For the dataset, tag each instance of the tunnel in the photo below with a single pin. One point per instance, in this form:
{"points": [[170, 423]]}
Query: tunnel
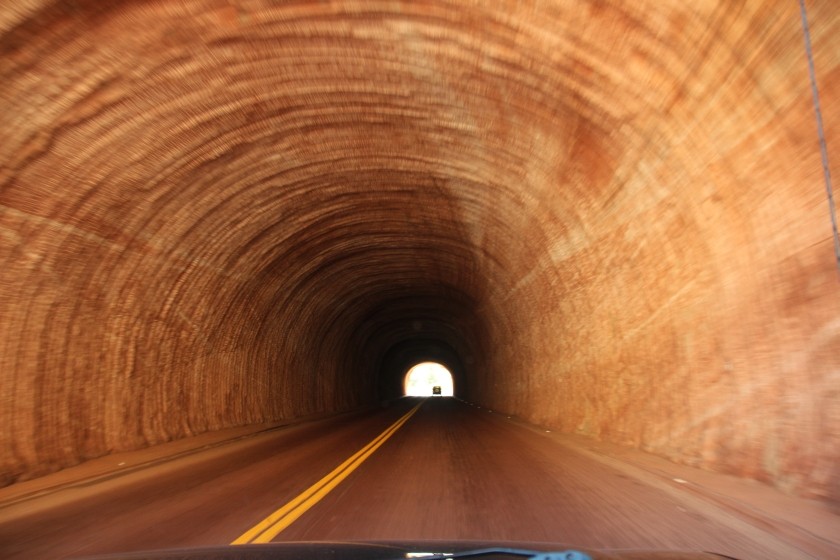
{"points": [[605, 218]]}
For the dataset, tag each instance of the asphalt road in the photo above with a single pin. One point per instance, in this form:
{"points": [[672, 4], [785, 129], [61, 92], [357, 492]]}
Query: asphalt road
{"points": [[450, 471]]}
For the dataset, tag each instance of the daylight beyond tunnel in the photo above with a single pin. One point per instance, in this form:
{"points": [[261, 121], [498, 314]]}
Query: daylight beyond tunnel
{"points": [[603, 217]]}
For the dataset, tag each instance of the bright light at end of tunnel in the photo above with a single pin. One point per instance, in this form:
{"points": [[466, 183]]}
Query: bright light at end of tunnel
{"points": [[422, 378]]}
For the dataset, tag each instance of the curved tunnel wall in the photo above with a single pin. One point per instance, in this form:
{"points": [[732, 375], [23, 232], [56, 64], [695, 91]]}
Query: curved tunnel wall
{"points": [[605, 217]]}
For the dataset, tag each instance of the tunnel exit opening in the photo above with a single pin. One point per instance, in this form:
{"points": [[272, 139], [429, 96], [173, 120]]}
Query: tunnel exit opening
{"points": [[427, 379]]}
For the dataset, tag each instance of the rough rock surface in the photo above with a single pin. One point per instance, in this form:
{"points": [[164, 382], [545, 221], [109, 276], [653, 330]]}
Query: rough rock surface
{"points": [[608, 217]]}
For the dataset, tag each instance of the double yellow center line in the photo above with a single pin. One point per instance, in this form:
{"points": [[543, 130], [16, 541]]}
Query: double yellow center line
{"points": [[271, 526]]}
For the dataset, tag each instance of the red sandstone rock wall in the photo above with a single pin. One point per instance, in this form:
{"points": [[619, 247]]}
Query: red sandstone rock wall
{"points": [[215, 214]]}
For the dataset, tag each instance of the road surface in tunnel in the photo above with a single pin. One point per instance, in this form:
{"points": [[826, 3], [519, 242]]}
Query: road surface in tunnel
{"points": [[452, 471]]}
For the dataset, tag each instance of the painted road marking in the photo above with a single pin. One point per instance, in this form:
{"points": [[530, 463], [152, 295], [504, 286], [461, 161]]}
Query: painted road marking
{"points": [[272, 525]]}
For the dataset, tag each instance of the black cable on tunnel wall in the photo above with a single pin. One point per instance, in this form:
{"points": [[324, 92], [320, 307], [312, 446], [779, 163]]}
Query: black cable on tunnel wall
{"points": [[820, 132]]}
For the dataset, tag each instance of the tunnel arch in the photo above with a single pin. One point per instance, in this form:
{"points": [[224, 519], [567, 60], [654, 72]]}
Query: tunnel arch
{"points": [[219, 215]]}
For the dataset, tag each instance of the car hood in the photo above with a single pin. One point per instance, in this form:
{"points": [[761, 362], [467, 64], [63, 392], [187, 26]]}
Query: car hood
{"points": [[400, 550]]}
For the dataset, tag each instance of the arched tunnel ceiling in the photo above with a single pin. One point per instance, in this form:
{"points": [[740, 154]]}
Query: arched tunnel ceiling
{"points": [[604, 216]]}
